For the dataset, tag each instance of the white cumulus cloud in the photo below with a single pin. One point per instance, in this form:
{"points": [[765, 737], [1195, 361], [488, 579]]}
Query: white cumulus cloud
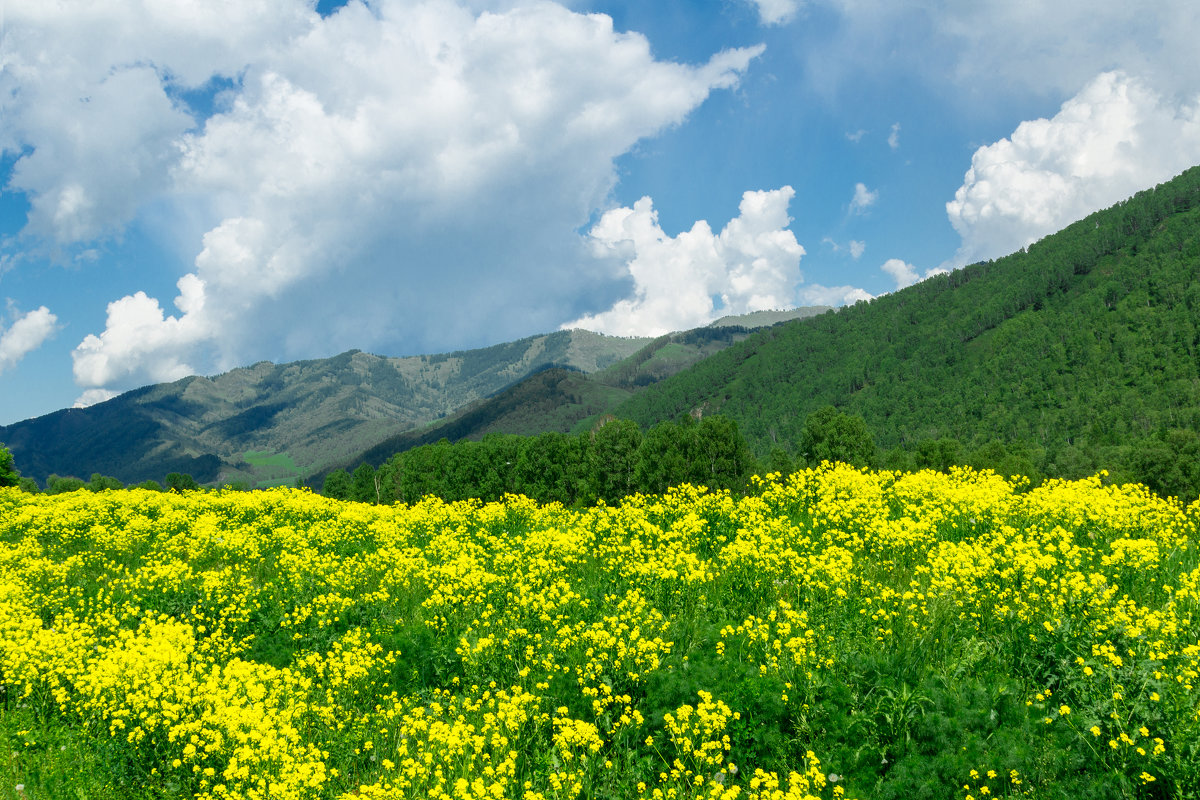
{"points": [[25, 335], [857, 248], [137, 328], [1114, 138], [685, 281], [398, 174]]}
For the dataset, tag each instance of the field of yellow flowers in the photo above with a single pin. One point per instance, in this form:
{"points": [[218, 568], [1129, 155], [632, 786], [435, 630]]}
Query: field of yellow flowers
{"points": [[835, 633]]}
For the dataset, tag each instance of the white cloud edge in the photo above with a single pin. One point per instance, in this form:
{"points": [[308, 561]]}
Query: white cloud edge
{"points": [[688, 280], [1113, 138], [25, 335]]}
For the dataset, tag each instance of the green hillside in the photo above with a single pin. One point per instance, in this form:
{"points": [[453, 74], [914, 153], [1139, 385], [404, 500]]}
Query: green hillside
{"points": [[1086, 345]]}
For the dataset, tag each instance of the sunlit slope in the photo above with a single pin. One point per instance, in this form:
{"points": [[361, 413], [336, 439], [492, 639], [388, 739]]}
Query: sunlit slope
{"points": [[1089, 340], [840, 633]]}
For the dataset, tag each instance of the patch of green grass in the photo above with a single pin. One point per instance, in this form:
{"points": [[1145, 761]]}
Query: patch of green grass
{"points": [[272, 469], [41, 758], [265, 458]]}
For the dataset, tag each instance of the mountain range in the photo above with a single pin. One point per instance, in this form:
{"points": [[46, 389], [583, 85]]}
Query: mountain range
{"points": [[274, 423]]}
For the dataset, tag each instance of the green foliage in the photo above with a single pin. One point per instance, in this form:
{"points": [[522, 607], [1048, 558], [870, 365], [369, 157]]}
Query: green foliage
{"points": [[551, 466], [26, 484], [612, 459], [710, 453], [99, 483], [607, 463], [181, 482], [58, 484], [1169, 463], [830, 435], [8, 473], [338, 485], [939, 454], [363, 486]]}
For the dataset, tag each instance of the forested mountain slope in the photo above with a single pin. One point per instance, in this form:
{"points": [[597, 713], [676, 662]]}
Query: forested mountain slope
{"points": [[275, 422], [1085, 345], [558, 399]]}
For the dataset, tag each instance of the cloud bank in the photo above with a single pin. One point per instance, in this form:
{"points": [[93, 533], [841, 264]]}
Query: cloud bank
{"points": [[685, 281], [351, 175]]}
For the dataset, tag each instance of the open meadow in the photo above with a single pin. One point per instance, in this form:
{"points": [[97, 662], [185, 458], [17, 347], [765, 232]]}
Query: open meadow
{"points": [[837, 632]]}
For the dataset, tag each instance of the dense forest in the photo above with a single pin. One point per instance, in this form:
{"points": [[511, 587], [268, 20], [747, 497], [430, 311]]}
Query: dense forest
{"points": [[613, 460], [616, 459]]}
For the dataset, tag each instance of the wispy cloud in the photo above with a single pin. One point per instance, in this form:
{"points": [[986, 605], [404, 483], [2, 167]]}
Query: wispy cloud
{"points": [[776, 12], [863, 199], [29, 332]]}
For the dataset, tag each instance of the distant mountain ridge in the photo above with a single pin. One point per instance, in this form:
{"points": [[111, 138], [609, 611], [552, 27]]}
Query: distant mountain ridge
{"points": [[560, 399], [275, 423], [1084, 348], [281, 421]]}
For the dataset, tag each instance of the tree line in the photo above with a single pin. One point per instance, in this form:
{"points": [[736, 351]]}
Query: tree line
{"points": [[616, 458], [58, 484], [611, 461]]}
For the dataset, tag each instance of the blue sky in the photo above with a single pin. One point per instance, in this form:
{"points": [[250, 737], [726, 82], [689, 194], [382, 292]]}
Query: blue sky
{"points": [[187, 188]]}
